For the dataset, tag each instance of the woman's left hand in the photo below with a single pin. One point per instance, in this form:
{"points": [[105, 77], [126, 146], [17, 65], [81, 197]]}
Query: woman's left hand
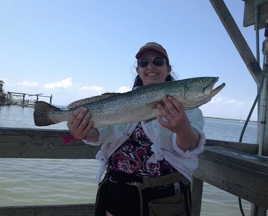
{"points": [[177, 122], [174, 114]]}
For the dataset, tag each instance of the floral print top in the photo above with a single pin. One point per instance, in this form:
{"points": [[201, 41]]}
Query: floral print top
{"points": [[132, 157]]}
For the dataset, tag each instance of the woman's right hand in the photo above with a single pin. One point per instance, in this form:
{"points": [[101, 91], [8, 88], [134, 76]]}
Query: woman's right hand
{"points": [[79, 123]]}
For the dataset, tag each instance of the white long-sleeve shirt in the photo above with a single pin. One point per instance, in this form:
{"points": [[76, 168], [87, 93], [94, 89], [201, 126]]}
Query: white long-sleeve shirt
{"points": [[164, 143]]}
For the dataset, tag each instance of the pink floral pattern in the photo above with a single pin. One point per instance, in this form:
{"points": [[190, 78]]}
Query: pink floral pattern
{"points": [[132, 157]]}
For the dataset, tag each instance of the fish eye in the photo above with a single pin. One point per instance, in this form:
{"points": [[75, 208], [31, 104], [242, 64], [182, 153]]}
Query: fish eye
{"points": [[202, 81]]}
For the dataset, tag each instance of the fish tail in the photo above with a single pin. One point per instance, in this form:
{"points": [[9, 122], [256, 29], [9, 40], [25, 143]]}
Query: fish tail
{"points": [[42, 111]]}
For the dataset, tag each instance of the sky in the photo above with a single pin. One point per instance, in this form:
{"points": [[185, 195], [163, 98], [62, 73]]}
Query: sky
{"points": [[75, 49]]}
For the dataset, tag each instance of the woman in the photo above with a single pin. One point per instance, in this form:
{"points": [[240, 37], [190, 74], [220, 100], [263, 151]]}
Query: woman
{"points": [[149, 165]]}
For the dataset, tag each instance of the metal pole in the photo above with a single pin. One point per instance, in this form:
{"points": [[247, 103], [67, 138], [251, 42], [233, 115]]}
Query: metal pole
{"points": [[262, 118], [257, 18], [262, 135]]}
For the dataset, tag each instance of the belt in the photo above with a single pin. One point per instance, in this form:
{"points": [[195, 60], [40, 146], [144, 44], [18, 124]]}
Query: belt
{"points": [[121, 177], [125, 178]]}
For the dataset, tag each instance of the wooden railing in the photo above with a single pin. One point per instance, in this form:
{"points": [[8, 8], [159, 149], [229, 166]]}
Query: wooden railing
{"points": [[233, 167], [240, 173]]}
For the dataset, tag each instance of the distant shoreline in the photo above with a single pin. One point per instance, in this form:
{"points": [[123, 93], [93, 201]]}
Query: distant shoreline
{"points": [[229, 119]]}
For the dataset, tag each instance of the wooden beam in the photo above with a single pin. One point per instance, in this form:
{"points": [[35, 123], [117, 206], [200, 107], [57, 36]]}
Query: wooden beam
{"points": [[56, 210], [24, 93], [34, 94], [34, 143], [238, 39], [240, 174], [242, 147], [46, 143], [15, 93]]}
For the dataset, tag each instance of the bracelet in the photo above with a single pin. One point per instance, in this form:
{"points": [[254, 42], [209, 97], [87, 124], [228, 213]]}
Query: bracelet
{"points": [[67, 139]]}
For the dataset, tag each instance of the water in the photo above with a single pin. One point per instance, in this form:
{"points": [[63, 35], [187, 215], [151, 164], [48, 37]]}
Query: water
{"points": [[50, 181]]}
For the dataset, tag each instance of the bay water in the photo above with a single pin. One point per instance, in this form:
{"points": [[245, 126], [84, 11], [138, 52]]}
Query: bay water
{"points": [[62, 181]]}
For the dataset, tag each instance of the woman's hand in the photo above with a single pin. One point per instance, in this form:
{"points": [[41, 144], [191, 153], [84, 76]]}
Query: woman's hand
{"points": [[79, 124], [177, 122]]}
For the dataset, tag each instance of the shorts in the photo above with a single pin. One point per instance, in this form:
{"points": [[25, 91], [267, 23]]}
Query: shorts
{"points": [[149, 199], [127, 201]]}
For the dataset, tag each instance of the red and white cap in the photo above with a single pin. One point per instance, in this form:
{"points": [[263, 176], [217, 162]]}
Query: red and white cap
{"points": [[152, 46]]}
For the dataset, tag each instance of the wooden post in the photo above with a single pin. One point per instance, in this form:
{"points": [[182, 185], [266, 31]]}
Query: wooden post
{"points": [[197, 190], [9, 98], [51, 99], [7, 102], [23, 98], [257, 210]]}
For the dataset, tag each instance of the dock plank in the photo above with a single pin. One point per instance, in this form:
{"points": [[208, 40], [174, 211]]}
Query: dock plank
{"points": [[33, 143], [44, 143], [47, 210]]}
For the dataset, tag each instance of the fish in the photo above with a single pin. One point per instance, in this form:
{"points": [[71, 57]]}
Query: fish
{"points": [[133, 106]]}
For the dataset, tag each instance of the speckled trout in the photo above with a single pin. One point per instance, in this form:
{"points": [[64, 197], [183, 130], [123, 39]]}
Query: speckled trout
{"points": [[133, 106]]}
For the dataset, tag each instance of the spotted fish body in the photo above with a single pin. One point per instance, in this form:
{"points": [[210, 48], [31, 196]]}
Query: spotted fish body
{"points": [[134, 106]]}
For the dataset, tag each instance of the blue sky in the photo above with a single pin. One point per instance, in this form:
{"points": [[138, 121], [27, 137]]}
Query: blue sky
{"points": [[77, 49]]}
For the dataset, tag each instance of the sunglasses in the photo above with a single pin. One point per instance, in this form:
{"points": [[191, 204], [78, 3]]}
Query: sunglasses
{"points": [[157, 61]]}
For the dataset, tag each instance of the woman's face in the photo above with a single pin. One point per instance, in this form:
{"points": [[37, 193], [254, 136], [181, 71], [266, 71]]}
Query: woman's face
{"points": [[151, 73]]}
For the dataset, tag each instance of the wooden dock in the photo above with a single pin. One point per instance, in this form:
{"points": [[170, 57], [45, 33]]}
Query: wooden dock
{"points": [[23, 103], [230, 166], [238, 168]]}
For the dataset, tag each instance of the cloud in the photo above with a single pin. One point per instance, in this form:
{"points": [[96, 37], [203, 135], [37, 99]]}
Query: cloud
{"points": [[7, 83], [29, 84], [225, 101], [11, 83], [123, 89], [92, 90], [5, 80], [226, 107], [67, 83]]}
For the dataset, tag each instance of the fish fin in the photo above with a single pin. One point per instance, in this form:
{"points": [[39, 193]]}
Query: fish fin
{"points": [[149, 120], [41, 113], [109, 94], [153, 104], [84, 101]]}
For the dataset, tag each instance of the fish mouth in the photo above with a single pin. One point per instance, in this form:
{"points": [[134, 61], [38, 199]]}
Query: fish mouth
{"points": [[209, 91]]}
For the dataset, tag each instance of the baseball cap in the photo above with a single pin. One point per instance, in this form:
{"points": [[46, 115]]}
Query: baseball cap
{"points": [[152, 46]]}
